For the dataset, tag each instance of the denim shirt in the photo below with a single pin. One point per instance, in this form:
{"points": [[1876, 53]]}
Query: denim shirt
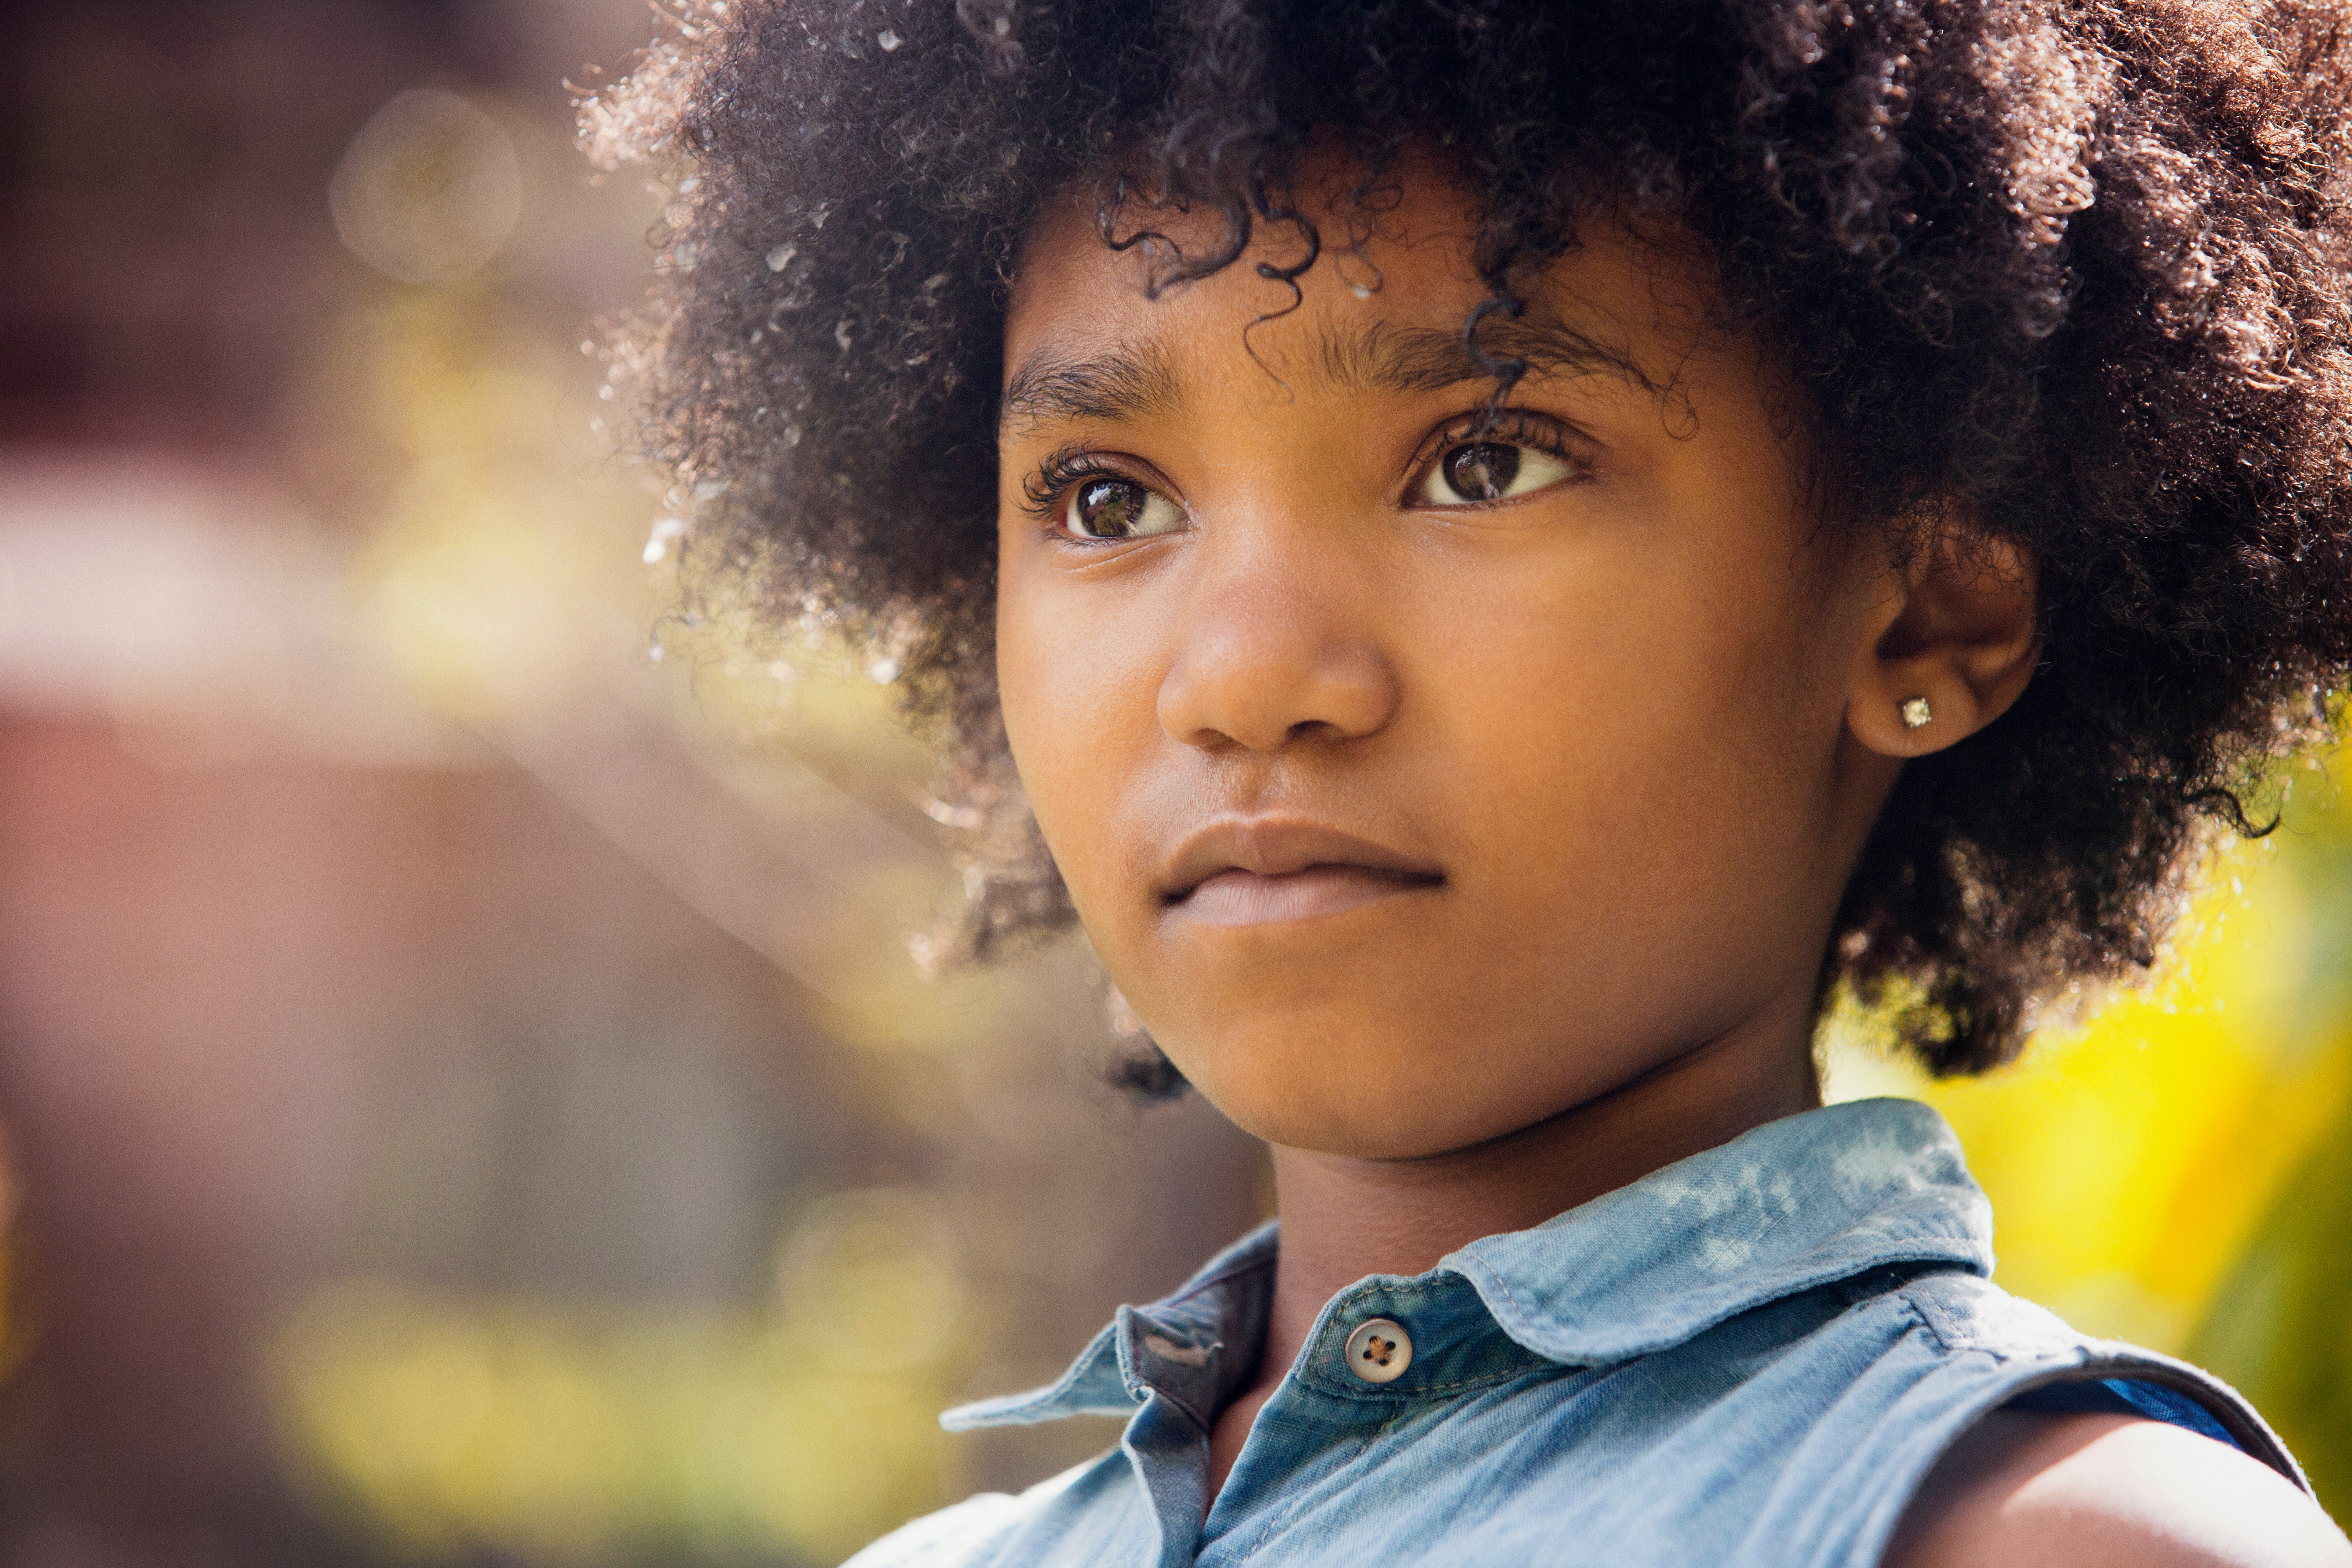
{"points": [[1753, 1356]]}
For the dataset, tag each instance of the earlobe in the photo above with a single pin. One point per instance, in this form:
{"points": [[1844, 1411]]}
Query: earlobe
{"points": [[1959, 644]]}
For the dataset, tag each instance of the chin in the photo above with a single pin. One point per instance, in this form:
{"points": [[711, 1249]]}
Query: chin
{"points": [[1332, 1129], [1339, 1102]]}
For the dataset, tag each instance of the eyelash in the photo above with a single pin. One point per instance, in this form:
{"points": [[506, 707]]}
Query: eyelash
{"points": [[1505, 426], [1047, 485]]}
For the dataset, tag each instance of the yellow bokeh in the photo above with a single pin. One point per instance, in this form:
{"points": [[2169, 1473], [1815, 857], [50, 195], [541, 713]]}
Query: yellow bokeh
{"points": [[804, 1428], [2138, 1161]]}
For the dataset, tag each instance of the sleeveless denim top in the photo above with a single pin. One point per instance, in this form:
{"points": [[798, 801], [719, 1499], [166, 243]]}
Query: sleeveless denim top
{"points": [[1751, 1357]]}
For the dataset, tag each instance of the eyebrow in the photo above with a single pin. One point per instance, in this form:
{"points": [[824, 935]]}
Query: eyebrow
{"points": [[1124, 385], [1116, 387], [1385, 358]]}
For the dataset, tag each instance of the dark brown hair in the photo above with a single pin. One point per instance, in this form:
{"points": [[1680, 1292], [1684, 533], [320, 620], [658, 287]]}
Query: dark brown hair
{"points": [[2078, 267]]}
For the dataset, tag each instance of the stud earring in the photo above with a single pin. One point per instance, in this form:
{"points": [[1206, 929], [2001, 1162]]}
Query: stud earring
{"points": [[1916, 713]]}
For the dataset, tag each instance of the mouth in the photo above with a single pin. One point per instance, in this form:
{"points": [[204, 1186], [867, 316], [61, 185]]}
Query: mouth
{"points": [[1268, 872]]}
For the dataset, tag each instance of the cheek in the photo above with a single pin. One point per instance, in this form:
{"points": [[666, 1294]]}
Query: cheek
{"points": [[1028, 693], [1655, 724], [1076, 696]]}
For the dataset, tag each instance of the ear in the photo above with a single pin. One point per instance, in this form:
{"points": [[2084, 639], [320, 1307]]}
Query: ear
{"points": [[1958, 641]]}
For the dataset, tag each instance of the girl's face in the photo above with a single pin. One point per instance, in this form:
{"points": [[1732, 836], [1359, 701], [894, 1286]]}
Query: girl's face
{"points": [[1417, 784]]}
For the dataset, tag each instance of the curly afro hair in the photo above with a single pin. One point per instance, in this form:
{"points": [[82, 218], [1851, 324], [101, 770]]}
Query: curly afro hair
{"points": [[2080, 267]]}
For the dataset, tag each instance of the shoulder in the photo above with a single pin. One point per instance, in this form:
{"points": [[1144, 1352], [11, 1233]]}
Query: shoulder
{"points": [[2022, 1490]]}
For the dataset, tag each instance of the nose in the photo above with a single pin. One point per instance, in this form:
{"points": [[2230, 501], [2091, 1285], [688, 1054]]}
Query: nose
{"points": [[1278, 645]]}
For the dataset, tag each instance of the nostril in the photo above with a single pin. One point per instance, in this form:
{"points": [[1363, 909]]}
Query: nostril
{"points": [[1237, 691]]}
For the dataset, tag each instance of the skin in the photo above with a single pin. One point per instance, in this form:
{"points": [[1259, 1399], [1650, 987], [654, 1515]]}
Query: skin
{"points": [[2107, 1491], [1479, 852]]}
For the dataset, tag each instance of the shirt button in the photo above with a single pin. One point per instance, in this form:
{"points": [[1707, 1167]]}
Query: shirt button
{"points": [[1378, 1351]]}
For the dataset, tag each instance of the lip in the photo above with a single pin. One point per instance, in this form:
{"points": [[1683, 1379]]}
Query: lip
{"points": [[1267, 871]]}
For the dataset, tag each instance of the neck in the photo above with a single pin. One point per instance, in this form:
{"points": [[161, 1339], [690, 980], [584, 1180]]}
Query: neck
{"points": [[1344, 1218]]}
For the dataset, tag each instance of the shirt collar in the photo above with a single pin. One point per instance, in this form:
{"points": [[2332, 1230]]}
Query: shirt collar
{"points": [[1177, 1345], [1787, 1207]]}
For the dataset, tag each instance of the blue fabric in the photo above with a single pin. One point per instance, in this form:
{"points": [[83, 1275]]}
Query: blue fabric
{"points": [[1751, 1357], [2124, 1397]]}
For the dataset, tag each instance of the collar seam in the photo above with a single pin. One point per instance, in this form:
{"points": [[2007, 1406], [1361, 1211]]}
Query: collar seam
{"points": [[1222, 1277], [1518, 1311], [1384, 1395], [1536, 1322], [1913, 1310], [1180, 1402]]}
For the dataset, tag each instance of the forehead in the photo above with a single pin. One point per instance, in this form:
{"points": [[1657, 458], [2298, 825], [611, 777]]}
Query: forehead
{"points": [[1384, 308], [1414, 239]]}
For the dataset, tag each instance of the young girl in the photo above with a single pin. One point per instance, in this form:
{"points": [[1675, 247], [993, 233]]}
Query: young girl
{"points": [[1495, 555]]}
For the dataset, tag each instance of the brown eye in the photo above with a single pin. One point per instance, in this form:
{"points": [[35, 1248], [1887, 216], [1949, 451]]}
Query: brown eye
{"points": [[1488, 471], [1119, 509], [1482, 471]]}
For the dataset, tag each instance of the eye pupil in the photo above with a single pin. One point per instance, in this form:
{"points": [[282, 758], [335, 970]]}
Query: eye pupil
{"points": [[1109, 508], [1483, 471]]}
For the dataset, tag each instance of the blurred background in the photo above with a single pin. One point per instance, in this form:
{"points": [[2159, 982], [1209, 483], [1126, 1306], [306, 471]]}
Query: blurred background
{"points": [[463, 1096]]}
